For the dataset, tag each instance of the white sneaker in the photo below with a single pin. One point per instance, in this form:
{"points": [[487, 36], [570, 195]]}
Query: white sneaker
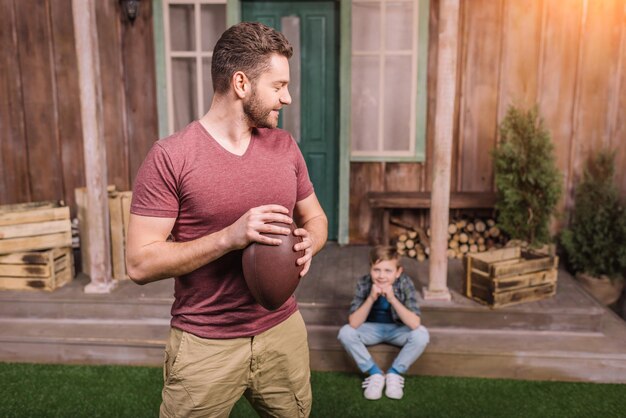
{"points": [[395, 386], [373, 386]]}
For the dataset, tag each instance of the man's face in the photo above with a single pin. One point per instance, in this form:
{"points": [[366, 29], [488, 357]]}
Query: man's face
{"points": [[269, 94], [385, 273]]}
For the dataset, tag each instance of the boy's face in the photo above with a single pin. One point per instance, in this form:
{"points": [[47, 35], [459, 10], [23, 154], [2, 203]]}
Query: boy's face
{"points": [[385, 272]]}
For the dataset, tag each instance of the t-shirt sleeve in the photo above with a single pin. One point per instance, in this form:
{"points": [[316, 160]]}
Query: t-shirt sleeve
{"points": [[155, 189], [305, 187]]}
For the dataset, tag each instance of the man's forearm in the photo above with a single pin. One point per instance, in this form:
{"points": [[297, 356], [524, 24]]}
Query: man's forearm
{"points": [[162, 260], [318, 231]]}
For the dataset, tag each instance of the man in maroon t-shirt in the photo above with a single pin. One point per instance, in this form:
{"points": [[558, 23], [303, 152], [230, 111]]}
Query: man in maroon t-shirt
{"points": [[215, 187]]}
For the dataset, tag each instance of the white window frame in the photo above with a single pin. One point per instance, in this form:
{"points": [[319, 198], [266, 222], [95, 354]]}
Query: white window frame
{"points": [[380, 154], [198, 54]]}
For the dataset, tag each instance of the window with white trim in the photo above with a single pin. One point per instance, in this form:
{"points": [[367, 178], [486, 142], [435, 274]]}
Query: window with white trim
{"points": [[384, 79], [191, 29]]}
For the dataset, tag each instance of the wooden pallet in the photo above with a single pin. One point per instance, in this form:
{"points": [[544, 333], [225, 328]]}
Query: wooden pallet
{"points": [[119, 214], [37, 270], [509, 276], [34, 226]]}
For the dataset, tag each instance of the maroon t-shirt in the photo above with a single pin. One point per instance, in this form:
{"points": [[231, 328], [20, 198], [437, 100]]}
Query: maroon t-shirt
{"points": [[191, 177]]}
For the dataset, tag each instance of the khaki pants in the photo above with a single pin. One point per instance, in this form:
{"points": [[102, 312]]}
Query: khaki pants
{"points": [[206, 377]]}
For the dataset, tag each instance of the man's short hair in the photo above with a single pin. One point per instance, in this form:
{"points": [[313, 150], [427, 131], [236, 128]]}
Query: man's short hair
{"points": [[246, 47], [384, 253]]}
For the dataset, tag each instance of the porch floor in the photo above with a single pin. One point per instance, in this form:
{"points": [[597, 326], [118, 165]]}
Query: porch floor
{"points": [[568, 337]]}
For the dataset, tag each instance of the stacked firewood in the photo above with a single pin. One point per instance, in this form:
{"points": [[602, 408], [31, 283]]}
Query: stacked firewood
{"points": [[464, 236]]}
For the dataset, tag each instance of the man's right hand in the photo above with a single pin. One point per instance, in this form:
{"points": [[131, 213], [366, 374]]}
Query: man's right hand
{"points": [[252, 224]]}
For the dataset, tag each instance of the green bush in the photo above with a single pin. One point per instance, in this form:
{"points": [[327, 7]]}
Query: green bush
{"points": [[595, 242], [527, 179]]}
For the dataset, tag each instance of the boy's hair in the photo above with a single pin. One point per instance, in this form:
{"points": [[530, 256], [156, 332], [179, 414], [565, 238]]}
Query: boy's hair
{"points": [[384, 253], [246, 47]]}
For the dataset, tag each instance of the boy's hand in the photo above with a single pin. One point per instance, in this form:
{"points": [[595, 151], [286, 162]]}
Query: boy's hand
{"points": [[387, 292], [375, 292]]}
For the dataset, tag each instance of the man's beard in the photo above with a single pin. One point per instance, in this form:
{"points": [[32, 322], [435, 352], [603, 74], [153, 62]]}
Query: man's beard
{"points": [[258, 116]]}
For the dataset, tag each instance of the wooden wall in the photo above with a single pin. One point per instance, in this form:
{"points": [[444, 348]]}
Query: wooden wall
{"points": [[569, 57], [41, 154]]}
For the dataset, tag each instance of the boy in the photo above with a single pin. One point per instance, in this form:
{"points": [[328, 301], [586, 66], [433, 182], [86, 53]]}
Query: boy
{"points": [[384, 309]]}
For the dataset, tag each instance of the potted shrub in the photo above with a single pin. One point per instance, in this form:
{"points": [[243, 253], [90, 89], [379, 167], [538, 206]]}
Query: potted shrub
{"points": [[595, 242], [526, 176]]}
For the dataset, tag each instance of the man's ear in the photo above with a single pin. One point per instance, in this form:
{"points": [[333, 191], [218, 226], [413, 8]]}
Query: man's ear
{"points": [[241, 84]]}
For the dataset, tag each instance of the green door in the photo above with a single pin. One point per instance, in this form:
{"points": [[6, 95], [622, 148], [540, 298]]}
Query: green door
{"points": [[312, 118]]}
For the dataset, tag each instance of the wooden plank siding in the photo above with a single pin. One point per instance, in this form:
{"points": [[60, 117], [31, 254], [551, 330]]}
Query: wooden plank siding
{"points": [[67, 99], [39, 99], [142, 123], [557, 75], [41, 144], [14, 185], [568, 58], [113, 97]]}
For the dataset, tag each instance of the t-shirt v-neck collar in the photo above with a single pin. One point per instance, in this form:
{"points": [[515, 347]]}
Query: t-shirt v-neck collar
{"points": [[223, 150]]}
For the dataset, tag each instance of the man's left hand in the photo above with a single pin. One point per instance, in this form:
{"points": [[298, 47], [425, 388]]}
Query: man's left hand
{"points": [[307, 246]]}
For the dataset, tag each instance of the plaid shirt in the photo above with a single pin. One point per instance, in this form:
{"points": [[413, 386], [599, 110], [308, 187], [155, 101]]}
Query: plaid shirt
{"points": [[403, 289]]}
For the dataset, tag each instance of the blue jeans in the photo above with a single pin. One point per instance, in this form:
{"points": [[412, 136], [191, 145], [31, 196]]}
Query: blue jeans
{"points": [[413, 343]]}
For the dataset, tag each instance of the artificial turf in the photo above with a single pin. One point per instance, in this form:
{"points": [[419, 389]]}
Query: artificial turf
{"points": [[35, 390]]}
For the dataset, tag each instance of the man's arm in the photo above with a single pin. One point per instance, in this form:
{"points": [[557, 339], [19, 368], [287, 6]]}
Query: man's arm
{"points": [[150, 257], [312, 227]]}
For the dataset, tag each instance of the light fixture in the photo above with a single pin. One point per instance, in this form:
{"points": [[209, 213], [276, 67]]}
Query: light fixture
{"points": [[131, 9]]}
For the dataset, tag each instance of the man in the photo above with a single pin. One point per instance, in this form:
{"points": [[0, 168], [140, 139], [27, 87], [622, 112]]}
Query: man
{"points": [[214, 187]]}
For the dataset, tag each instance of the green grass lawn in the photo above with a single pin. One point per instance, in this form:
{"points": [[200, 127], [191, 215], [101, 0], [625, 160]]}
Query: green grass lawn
{"points": [[33, 390]]}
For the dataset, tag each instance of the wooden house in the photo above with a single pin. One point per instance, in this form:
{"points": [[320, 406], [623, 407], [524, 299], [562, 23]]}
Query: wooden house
{"points": [[377, 62], [389, 96]]}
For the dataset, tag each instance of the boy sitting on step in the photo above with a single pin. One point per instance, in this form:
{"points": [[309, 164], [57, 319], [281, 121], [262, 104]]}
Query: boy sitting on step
{"points": [[384, 309]]}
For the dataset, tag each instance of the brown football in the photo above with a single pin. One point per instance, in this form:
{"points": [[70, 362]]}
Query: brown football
{"points": [[271, 271]]}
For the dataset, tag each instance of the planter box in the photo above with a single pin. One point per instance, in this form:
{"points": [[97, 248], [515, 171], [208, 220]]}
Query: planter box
{"points": [[34, 226], [119, 213], [509, 276], [37, 270]]}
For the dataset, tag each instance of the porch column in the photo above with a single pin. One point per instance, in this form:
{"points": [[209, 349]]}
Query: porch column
{"points": [[86, 35], [444, 122]]}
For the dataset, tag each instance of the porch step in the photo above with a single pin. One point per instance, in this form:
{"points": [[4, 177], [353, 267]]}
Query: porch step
{"points": [[541, 355], [88, 341], [529, 355], [477, 317], [129, 303]]}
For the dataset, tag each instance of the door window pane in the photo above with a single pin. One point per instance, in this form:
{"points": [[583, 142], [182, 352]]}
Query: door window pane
{"points": [[399, 26], [384, 60], [291, 114], [366, 26], [213, 23], [397, 107], [185, 91], [207, 88], [182, 27], [365, 103], [191, 32]]}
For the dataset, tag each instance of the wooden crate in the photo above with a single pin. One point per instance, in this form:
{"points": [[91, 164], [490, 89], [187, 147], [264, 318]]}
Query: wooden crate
{"points": [[509, 276], [37, 270], [119, 213], [34, 226]]}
